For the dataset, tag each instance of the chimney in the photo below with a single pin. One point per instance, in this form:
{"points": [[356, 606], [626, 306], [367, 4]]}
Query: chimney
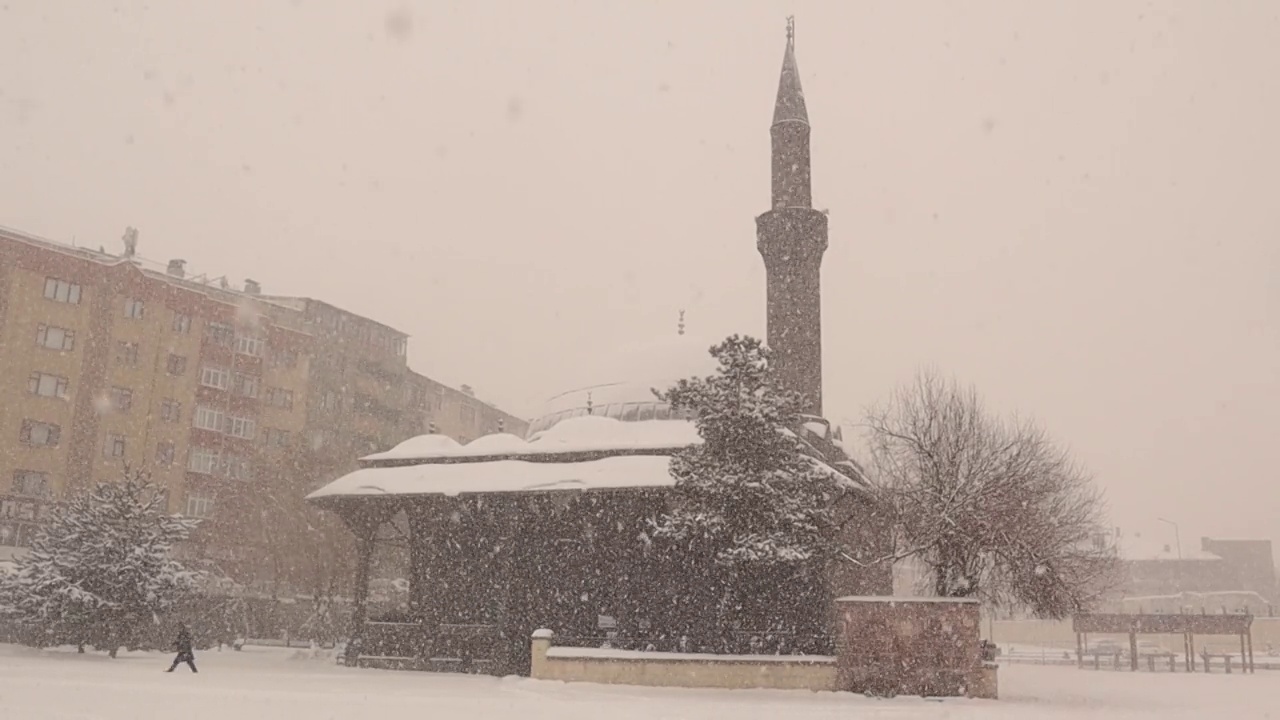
{"points": [[466, 390], [177, 268], [252, 287]]}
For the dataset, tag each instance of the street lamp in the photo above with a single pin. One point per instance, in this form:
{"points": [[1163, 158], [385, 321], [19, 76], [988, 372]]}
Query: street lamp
{"points": [[1176, 538]]}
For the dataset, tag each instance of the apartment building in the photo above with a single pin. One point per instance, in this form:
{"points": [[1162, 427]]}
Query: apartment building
{"points": [[225, 395], [457, 412], [107, 364]]}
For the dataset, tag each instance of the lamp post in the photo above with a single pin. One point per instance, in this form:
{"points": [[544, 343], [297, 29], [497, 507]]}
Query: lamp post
{"points": [[1176, 538], [1177, 575]]}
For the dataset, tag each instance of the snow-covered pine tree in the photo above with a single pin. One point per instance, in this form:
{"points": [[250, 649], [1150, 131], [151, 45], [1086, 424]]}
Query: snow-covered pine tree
{"points": [[748, 497], [100, 570]]}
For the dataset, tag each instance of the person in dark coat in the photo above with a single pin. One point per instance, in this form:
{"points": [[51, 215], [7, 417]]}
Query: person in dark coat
{"points": [[185, 654]]}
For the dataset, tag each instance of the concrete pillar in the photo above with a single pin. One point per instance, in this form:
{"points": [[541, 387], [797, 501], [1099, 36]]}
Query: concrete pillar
{"points": [[539, 644]]}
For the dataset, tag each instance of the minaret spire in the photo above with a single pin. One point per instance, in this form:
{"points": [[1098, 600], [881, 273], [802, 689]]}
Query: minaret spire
{"points": [[790, 105], [792, 238]]}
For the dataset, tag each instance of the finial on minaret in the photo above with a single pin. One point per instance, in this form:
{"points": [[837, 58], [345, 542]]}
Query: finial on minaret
{"points": [[791, 29], [680, 325]]}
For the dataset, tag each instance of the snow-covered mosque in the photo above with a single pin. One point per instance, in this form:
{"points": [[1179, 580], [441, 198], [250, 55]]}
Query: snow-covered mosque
{"points": [[509, 534]]}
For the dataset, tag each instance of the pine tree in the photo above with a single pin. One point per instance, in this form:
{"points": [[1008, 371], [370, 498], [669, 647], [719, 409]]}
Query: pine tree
{"points": [[100, 571], [747, 497]]}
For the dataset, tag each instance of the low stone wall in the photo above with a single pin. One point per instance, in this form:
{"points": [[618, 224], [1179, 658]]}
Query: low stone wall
{"points": [[692, 670], [912, 646]]}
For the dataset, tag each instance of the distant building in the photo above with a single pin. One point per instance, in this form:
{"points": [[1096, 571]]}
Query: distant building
{"points": [[458, 413], [214, 390], [1159, 569]]}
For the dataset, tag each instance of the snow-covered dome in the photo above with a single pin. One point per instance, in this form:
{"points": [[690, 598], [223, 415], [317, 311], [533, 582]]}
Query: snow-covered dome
{"points": [[623, 387]]}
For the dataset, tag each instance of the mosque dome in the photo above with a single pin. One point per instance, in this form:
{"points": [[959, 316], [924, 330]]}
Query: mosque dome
{"points": [[622, 388]]}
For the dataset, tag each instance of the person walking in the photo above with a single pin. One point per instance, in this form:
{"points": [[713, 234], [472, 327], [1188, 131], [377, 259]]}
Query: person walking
{"points": [[185, 653]]}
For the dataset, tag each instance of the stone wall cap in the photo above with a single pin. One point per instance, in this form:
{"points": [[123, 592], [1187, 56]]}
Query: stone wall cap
{"points": [[543, 634], [893, 599]]}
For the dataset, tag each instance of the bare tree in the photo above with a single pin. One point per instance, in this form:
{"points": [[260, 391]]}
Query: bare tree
{"points": [[993, 508]]}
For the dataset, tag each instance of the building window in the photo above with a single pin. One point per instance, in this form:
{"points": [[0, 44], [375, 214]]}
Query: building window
{"points": [[199, 506], [61, 291], [467, 413], [402, 346], [219, 334], [55, 338], [244, 428], [209, 419], [246, 385], [121, 399], [177, 364], [170, 410], [249, 345], [46, 385], [282, 358], [30, 483], [279, 397], [214, 377], [127, 353], [329, 400], [181, 323], [134, 308], [202, 460], [40, 434], [236, 467], [164, 453], [272, 437], [114, 446]]}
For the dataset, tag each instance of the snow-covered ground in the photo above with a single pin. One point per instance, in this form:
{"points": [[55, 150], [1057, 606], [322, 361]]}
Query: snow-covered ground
{"points": [[279, 684]]}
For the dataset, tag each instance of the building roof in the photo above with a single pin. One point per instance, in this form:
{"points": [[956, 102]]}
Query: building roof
{"points": [[151, 269], [584, 453], [628, 377], [588, 434], [503, 476], [302, 304]]}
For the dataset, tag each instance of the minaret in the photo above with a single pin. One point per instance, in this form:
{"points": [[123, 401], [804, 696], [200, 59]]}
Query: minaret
{"points": [[791, 238]]}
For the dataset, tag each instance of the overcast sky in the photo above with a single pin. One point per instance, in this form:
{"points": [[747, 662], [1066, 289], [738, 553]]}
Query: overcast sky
{"points": [[1071, 205]]}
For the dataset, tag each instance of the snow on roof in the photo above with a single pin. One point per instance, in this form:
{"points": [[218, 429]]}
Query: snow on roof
{"points": [[903, 599], [433, 445], [569, 652], [502, 476], [581, 434]]}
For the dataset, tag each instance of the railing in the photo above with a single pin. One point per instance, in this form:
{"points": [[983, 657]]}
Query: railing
{"points": [[449, 648], [734, 642]]}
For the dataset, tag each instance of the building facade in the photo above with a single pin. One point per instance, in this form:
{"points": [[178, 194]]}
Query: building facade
{"points": [[555, 530], [217, 392]]}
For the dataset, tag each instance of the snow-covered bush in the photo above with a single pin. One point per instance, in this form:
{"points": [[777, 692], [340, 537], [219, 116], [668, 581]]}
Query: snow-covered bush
{"points": [[748, 498], [99, 572]]}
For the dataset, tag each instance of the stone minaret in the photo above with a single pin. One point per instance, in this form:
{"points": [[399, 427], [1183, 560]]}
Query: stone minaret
{"points": [[791, 238]]}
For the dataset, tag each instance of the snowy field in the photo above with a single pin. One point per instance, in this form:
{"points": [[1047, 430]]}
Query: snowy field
{"points": [[278, 684]]}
